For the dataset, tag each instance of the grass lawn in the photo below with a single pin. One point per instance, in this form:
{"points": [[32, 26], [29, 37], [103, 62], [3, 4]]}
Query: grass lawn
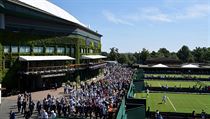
{"points": [[184, 103], [183, 84], [178, 75]]}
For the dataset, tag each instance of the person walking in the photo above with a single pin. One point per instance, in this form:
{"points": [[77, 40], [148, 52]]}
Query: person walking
{"points": [[27, 113], [147, 92], [44, 115], [203, 114], [193, 114], [53, 115], [19, 105], [56, 86], [31, 107], [38, 107], [164, 99], [23, 106], [12, 115]]}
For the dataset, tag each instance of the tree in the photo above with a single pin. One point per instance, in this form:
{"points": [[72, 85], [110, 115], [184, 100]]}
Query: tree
{"points": [[153, 54], [137, 57], [184, 54], [173, 55], [198, 54], [131, 58], [104, 54], [191, 58], [113, 55], [164, 51], [123, 59], [207, 55], [144, 55]]}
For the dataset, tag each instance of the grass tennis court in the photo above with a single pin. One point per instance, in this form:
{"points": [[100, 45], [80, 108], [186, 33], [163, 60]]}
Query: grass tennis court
{"points": [[184, 103], [183, 84], [177, 75]]}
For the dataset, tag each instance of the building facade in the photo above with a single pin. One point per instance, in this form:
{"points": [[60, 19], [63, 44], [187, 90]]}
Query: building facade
{"points": [[29, 30]]}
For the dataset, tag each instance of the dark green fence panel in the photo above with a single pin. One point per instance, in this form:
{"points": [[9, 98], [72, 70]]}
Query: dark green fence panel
{"points": [[138, 86], [130, 93], [135, 110], [139, 74], [136, 113], [121, 112]]}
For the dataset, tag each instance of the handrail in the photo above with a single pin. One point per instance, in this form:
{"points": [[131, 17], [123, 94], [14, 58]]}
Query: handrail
{"points": [[121, 110], [121, 114]]}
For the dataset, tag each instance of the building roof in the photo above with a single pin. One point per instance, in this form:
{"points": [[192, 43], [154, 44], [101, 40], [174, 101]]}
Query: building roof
{"points": [[44, 58], [112, 62], [190, 66], [159, 65], [93, 57], [52, 9], [205, 66], [163, 60]]}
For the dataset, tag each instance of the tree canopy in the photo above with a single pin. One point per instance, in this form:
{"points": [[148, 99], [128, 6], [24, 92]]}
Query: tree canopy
{"points": [[184, 54]]}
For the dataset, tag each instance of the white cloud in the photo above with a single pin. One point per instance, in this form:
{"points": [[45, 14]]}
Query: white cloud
{"points": [[159, 18], [195, 11], [153, 14], [149, 14], [112, 18]]}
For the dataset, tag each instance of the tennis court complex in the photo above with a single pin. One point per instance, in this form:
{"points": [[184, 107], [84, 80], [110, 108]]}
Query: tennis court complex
{"points": [[172, 83], [184, 103]]}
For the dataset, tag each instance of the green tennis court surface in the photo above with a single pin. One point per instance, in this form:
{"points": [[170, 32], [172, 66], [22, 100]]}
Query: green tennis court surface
{"points": [[183, 84], [177, 75], [183, 103]]}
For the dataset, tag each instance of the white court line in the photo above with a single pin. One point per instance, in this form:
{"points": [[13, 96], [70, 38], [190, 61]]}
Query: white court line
{"points": [[171, 103]]}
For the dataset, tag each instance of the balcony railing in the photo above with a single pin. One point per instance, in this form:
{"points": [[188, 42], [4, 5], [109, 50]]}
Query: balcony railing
{"points": [[97, 65], [61, 69]]}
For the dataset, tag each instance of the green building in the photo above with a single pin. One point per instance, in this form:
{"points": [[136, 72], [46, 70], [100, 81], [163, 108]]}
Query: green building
{"points": [[41, 44]]}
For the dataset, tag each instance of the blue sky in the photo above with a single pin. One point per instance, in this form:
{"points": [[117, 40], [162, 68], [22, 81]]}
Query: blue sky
{"points": [[131, 25]]}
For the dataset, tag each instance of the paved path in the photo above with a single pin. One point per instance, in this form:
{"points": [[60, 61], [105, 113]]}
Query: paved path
{"points": [[10, 103]]}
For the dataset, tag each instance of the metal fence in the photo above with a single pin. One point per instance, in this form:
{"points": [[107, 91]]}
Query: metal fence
{"points": [[131, 108]]}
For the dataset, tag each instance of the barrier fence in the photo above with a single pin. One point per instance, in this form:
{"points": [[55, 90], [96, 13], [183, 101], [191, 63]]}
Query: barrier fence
{"points": [[121, 114], [131, 108]]}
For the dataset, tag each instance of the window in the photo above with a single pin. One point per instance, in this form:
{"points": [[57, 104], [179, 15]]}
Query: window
{"points": [[38, 49], [91, 50], [67, 50], [50, 49], [81, 50], [24, 49], [6, 49], [14, 49], [88, 50], [88, 42], [95, 44], [72, 52], [60, 50], [85, 50]]}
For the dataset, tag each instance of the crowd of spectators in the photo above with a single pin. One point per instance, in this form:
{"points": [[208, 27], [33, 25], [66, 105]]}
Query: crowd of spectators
{"points": [[96, 99], [25, 105]]}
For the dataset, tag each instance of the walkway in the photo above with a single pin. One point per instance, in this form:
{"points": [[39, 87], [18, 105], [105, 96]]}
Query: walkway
{"points": [[10, 103]]}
